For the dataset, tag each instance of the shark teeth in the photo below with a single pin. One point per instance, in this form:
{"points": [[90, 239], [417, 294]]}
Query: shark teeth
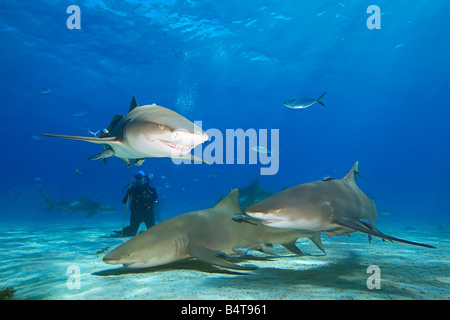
{"points": [[270, 221], [177, 147]]}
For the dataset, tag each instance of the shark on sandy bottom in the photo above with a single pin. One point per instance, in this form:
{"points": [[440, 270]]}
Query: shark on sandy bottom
{"points": [[208, 235], [83, 205], [331, 206], [146, 131]]}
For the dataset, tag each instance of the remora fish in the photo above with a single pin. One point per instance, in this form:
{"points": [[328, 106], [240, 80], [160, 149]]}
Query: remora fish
{"points": [[303, 103], [147, 131], [334, 207], [82, 205], [206, 235]]}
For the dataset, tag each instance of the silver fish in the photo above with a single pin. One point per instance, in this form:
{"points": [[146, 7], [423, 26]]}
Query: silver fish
{"points": [[303, 103]]}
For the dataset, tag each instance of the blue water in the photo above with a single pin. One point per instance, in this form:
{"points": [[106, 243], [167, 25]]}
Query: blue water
{"points": [[229, 64]]}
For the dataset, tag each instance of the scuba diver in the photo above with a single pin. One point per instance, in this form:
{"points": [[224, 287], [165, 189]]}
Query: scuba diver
{"points": [[142, 197]]}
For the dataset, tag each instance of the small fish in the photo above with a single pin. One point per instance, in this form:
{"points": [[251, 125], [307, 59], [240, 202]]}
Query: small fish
{"points": [[44, 90], [80, 114], [94, 134], [303, 103], [213, 175], [261, 150], [244, 218], [103, 250], [384, 212], [79, 172], [36, 138], [328, 178]]}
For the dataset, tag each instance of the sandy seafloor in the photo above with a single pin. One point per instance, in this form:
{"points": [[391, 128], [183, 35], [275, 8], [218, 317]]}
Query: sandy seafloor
{"points": [[35, 259]]}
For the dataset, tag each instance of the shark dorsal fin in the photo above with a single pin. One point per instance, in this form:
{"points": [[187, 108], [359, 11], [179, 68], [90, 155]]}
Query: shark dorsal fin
{"points": [[133, 104], [231, 201], [351, 174]]}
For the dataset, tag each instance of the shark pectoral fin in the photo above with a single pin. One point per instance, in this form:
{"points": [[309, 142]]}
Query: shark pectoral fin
{"points": [[214, 257], [362, 227], [90, 214], [317, 240], [292, 247]]}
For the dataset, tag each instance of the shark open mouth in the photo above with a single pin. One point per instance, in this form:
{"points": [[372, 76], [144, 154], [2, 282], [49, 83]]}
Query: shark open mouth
{"points": [[178, 147]]}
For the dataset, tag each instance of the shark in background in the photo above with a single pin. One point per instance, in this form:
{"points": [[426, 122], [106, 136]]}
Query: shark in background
{"points": [[331, 206], [209, 235], [83, 205], [146, 131]]}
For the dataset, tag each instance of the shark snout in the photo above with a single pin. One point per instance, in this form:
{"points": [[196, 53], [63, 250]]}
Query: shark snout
{"points": [[111, 260], [188, 138]]}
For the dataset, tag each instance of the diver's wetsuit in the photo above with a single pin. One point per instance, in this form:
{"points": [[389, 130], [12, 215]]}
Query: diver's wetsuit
{"points": [[142, 198]]}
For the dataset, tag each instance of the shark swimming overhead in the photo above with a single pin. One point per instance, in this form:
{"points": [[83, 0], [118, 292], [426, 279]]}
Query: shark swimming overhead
{"points": [[207, 235], [82, 205], [331, 206], [146, 131]]}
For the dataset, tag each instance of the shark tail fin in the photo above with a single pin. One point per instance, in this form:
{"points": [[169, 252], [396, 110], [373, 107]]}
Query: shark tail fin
{"points": [[319, 100], [50, 203], [364, 228], [133, 104], [108, 140]]}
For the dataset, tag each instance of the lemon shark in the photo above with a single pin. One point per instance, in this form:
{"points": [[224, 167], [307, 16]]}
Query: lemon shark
{"points": [[146, 131], [331, 206], [208, 235], [82, 205]]}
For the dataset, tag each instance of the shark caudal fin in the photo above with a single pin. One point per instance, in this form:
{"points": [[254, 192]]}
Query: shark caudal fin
{"points": [[50, 203], [368, 228], [108, 140], [319, 100]]}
